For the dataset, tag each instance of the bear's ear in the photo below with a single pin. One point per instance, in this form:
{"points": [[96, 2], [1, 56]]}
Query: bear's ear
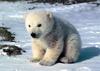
{"points": [[24, 16], [49, 15]]}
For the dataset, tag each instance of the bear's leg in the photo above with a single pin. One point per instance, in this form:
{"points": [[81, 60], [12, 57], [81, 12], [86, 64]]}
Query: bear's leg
{"points": [[37, 53], [72, 51], [52, 54], [50, 57]]}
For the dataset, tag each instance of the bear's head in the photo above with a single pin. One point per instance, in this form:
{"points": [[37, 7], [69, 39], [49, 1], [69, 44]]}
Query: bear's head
{"points": [[39, 23]]}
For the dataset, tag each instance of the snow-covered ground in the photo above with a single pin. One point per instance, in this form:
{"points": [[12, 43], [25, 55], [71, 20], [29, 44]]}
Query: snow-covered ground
{"points": [[85, 17]]}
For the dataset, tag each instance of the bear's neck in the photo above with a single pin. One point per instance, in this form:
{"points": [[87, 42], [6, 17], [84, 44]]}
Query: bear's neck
{"points": [[53, 36], [52, 33]]}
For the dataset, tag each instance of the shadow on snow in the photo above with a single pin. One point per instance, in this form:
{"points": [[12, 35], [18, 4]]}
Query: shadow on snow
{"points": [[88, 53]]}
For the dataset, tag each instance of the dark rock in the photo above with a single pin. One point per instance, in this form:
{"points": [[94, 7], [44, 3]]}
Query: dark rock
{"points": [[11, 50], [6, 35]]}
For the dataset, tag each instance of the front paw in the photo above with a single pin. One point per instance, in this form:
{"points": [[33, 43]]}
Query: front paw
{"points": [[34, 60], [47, 63], [67, 60]]}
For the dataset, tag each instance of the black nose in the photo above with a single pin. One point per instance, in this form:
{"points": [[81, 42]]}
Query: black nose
{"points": [[33, 35]]}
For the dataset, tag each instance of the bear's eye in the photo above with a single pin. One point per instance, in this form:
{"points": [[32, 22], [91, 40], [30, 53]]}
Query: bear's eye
{"points": [[39, 25], [29, 25]]}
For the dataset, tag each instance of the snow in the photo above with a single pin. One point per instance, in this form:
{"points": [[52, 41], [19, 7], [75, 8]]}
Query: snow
{"points": [[85, 17]]}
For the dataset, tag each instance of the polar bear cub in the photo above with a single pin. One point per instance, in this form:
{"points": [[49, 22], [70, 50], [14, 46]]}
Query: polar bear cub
{"points": [[52, 38]]}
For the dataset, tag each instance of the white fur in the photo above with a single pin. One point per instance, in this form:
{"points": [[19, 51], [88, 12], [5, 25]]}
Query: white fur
{"points": [[57, 37]]}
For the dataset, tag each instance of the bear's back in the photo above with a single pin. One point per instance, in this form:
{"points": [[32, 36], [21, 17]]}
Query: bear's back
{"points": [[66, 26]]}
